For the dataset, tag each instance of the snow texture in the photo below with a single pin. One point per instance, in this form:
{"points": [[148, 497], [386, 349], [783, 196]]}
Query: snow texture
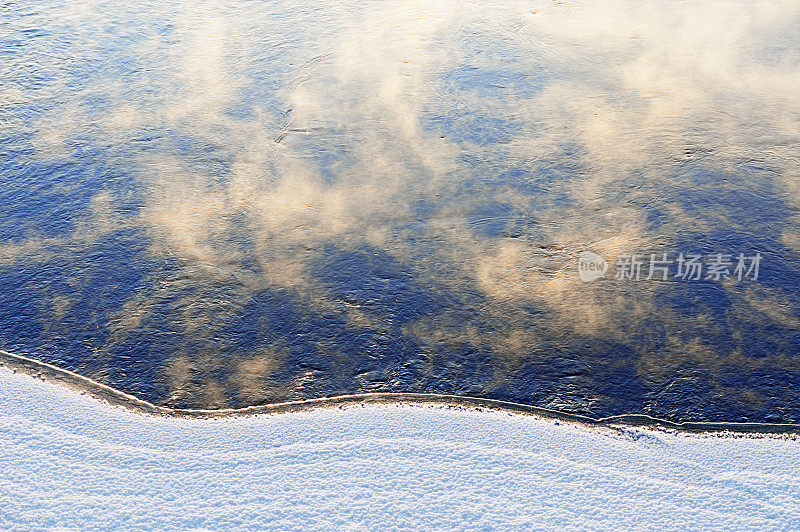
{"points": [[69, 461]]}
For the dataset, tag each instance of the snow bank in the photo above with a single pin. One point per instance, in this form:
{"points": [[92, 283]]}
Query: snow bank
{"points": [[67, 460]]}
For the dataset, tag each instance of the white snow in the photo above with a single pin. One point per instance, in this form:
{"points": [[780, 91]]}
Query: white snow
{"points": [[69, 461]]}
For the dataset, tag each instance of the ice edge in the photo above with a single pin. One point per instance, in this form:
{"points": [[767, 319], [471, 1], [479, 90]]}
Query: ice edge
{"points": [[49, 372]]}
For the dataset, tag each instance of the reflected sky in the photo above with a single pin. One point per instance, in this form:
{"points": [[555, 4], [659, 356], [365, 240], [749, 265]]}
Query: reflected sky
{"points": [[211, 207]]}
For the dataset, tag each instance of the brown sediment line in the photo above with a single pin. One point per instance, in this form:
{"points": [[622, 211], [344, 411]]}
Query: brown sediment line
{"points": [[85, 385]]}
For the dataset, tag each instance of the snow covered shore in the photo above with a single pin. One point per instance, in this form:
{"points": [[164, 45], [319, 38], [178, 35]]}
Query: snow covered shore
{"points": [[67, 460]]}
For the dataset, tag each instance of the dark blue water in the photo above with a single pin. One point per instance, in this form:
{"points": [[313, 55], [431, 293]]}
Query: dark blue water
{"points": [[210, 208]]}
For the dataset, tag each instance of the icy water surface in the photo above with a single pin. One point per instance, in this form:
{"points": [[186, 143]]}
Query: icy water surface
{"points": [[213, 206]]}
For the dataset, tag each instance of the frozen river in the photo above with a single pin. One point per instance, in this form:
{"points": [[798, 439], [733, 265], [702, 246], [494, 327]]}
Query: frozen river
{"points": [[71, 462]]}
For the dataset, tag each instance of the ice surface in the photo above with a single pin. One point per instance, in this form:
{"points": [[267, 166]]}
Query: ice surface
{"points": [[67, 460]]}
